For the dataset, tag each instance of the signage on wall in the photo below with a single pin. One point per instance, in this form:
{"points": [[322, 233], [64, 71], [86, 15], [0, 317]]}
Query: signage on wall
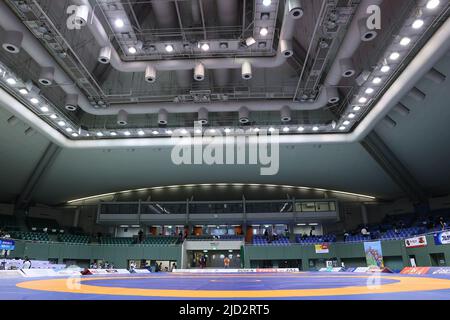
{"points": [[442, 238], [416, 242], [7, 244], [322, 248]]}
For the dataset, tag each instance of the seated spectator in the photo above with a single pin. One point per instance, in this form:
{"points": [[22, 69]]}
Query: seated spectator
{"points": [[442, 223], [364, 231]]}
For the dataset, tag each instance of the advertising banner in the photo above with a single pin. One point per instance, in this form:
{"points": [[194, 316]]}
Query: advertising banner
{"points": [[415, 270], [322, 248], [7, 244], [374, 254], [416, 242], [442, 238]]}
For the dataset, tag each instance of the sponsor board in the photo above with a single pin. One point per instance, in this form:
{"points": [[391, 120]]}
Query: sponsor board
{"points": [[7, 244], [273, 270], [117, 271], [416, 242], [140, 271], [443, 270], [330, 269], [322, 248], [39, 273], [415, 270], [97, 271], [442, 238], [361, 270]]}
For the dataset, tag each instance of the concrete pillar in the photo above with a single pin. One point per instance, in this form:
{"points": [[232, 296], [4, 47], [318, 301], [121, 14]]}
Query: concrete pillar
{"points": [[364, 214], [76, 217]]}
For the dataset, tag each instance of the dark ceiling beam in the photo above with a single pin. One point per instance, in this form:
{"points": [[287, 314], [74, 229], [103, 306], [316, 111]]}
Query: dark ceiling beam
{"points": [[388, 161], [38, 172]]}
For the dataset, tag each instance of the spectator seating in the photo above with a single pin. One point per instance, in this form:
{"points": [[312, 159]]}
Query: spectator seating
{"points": [[8, 222], [75, 239], [117, 241], [31, 236], [39, 224], [160, 240], [315, 239], [259, 240]]}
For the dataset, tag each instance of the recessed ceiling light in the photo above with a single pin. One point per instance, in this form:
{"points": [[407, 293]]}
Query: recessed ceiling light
{"points": [[54, 116], [205, 47], [198, 131], [127, 133], [362, 100], [263, 32], [271, 129], [256, 129], [141, 132], [405, 41], [169, 131], [376, 80], [113, 133], [169, 48], [99, 134], [75, 134], [418, 24], [300, 129], [432, 4], [183, 131], [132, 50], [286, 129], [212, 130], [11, 81], [34, 101], [315, 128], [61, 123], [342, 128], [44, 109], [385, 68], [155, 132], [23, 91], [394, 56], [119, 23], [267, 3], [250, 41], [351, 115], [369, 91], [69, 129], [227, 130], [346, 123], [356, 108]]}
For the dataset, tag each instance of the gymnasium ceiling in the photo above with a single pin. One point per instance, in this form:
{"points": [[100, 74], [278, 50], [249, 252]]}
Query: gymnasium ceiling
{"points": [[418, 138]]}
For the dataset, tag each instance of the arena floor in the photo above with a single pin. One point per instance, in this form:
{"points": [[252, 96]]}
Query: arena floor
{"points": [[311, 286]]}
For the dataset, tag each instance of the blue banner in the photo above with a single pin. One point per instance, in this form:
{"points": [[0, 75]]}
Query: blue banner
{"points": [[442, 238], [7, 244]]}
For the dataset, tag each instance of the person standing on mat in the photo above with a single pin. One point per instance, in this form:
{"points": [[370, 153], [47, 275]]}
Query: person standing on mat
{"points": [[226, 262], [26, 264]]}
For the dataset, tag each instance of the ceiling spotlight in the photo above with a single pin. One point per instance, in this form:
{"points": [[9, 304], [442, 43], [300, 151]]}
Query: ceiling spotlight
{"points": [[75, 134], [250, 41], [69, 129], [418, 24], [267, 3], [61, 123], [356, 108], [227, 130], [184, 131], [205, 47], [11, 81], [351, 115], [198, 131], [141, 132], [212, 130], [385, 69], [155, 132], [362, 100], [432, 4], [342, 128], [286, 129], [346, 123], [369, 91], [263, 32], [99, 134], [256, 129], [301, 129], [169, 131], [405, 41], [127, 133], [34, 101], [113, 133], [169, 48], [271, 129], [376, 80], [44, 109], [132, 50], [119, 23], [394, 56], [54, 116], [23, 91], [315, 128]]}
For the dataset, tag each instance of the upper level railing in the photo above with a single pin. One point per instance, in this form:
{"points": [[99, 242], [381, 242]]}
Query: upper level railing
{"points": [[219, 207]]}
